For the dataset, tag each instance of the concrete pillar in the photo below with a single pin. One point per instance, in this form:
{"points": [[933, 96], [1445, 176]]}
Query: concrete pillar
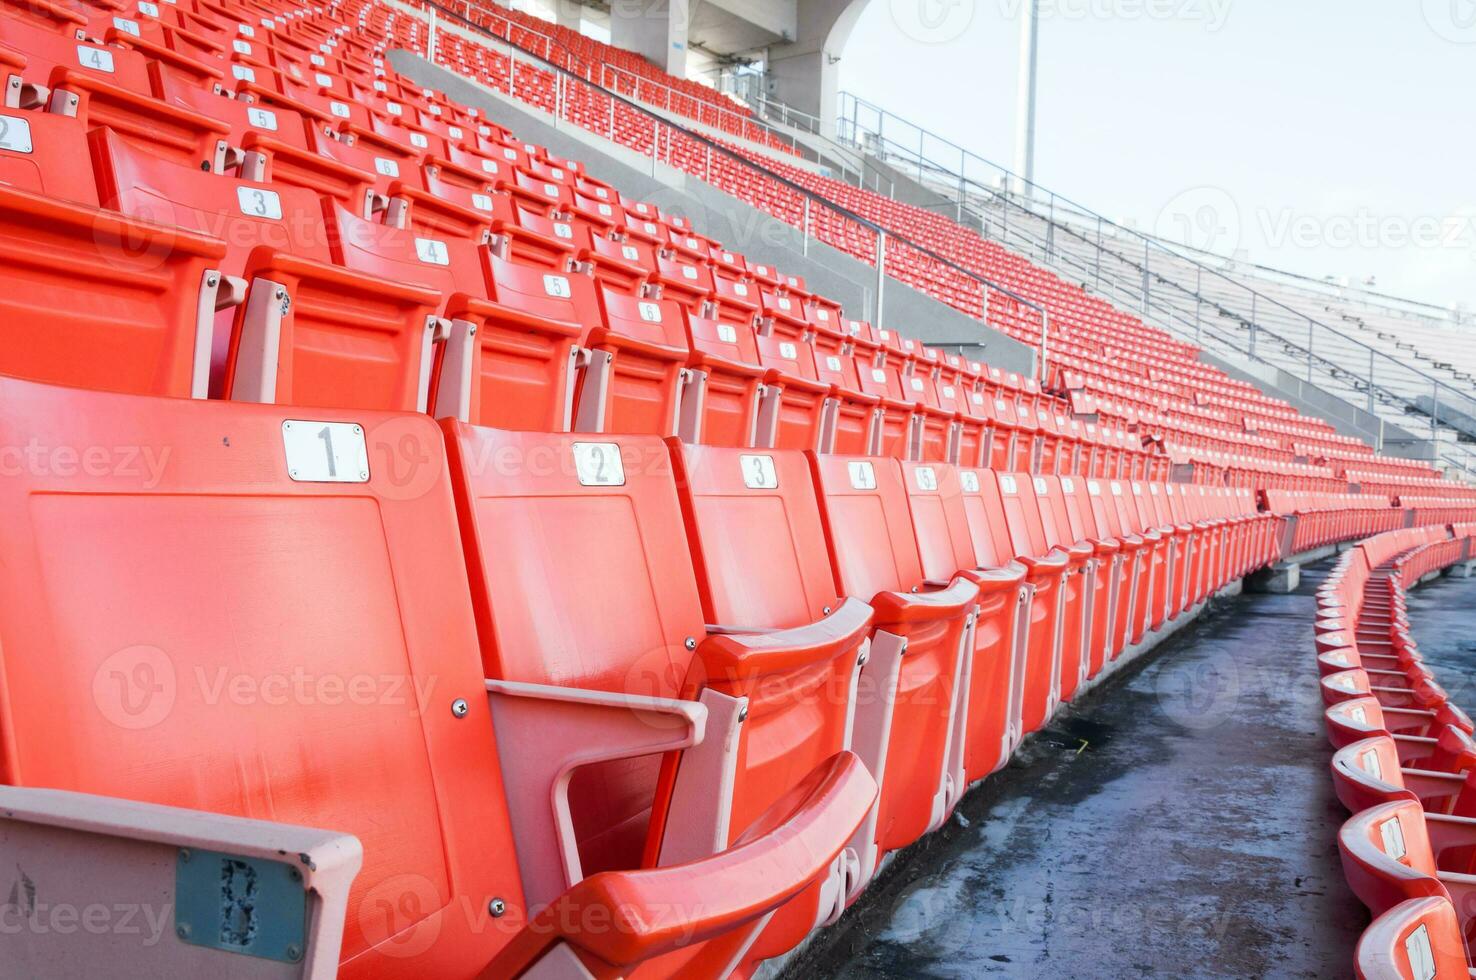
{"points": [[803, 73], [569, 14], [654, 29]]}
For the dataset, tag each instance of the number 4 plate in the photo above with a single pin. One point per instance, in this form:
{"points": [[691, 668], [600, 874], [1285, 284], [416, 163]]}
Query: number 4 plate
{"points": [[325, 452]]}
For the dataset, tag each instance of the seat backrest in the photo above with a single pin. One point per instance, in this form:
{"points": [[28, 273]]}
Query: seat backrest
{"points": [[1022, 516], [581, 576], [753, 521], [1414, 940], [988, 531], [868, 529], [935, 499], [260, 612]]}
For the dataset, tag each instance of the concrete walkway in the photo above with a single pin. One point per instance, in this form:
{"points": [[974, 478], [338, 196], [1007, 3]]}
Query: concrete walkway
{"points": [[1178, 823]]}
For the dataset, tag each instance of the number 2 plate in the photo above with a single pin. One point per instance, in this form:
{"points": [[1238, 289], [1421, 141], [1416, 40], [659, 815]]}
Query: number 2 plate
{"points": [[325, 452]]}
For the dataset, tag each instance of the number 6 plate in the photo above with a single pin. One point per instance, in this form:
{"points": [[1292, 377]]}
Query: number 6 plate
{"points": [[325, 452]]}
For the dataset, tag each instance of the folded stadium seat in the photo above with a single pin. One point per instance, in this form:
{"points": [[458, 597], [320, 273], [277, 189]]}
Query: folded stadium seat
{"points": [[1176, 512], [875, 554], [105, 85], [899, 419], [122, 304], [308, 332], [782, 315], [1414, 940], [1011, 446], [1134, 569], [942, 423], [518, 370], [1368, 773], [1081, 582], [351, 573], [947, 547], [754, 526], [1395, 852], [1421, 738], [43, 152], [625, 266], [684, 282], [531, 237], [600, 516], [1010, 507], [735, 300], [1152, 556], [721, 404], [636, 373], [796, 410], [856, 417], [1153, 507], [1082, 520]]}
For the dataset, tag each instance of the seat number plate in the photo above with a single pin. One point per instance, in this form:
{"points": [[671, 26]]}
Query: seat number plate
{"points": [[598, 464], [15, 135], [759, 472], [325, 452], [862, 474]]}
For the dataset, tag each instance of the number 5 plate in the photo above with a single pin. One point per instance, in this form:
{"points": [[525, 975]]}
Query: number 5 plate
{"points": [[325, 452]]}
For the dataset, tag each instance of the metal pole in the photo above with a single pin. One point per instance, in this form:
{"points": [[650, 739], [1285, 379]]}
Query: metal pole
{"points": [[1045, 344], [805, 238], [1025, 110], [655, 144], [612, 119], [1145, 276], [984, 317], [558, 98], [1370, 380], [1097, 277], [881, 274], [430, 44], [1198, 296], [1311, 325], [1253, 326], [1434, 407]]}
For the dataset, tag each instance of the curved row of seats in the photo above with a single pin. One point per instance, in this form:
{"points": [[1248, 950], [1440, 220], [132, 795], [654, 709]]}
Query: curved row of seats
{"points": [[1403, 760]]}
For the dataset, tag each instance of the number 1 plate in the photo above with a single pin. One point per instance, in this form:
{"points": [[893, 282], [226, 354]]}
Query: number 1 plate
{"points": [[325, 452]]}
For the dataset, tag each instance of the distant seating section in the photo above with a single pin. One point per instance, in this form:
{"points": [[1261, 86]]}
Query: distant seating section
{"points": [[1403, 757], [418, 558]]}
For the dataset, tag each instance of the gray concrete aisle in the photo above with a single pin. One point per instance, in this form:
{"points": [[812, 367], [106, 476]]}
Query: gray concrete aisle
{"points": [[1179, 823]]}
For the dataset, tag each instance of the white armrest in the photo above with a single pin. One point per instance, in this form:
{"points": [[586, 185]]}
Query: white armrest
{"points": [[167, 880], [544, 733]]}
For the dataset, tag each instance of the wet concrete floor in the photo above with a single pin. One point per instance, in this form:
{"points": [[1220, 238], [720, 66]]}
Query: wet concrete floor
{"points": [[1179, 822]]}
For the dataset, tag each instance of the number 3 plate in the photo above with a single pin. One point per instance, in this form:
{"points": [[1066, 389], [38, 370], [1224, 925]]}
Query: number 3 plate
{"points": [[325, 452]]}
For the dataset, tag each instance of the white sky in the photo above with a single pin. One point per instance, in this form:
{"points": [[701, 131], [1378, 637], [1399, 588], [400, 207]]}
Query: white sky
{"points": [[1325, 137]]}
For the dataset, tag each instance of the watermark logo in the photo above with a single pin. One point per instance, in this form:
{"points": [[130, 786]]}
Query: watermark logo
{"points": [[932, 21], [1205, 218], [135, 688], [1451, 20]]}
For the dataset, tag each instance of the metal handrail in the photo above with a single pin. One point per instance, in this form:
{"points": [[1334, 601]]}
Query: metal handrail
{"points": [[1054, 201], [712, 146], [551, 43]]}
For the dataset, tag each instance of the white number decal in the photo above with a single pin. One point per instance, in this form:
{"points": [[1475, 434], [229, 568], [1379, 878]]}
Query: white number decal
{"points": [[1007, 484], [650, 312], [863, 475], [339, 109], [598, 464], [759, 472], [15, 135], [387, 167], [95, 58], [257, 202], [262, 118], [325, 452], [969, 481], [727, 334], [432, 252], [126, 26], [557, 286], [788, 351], [927, 479]]}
